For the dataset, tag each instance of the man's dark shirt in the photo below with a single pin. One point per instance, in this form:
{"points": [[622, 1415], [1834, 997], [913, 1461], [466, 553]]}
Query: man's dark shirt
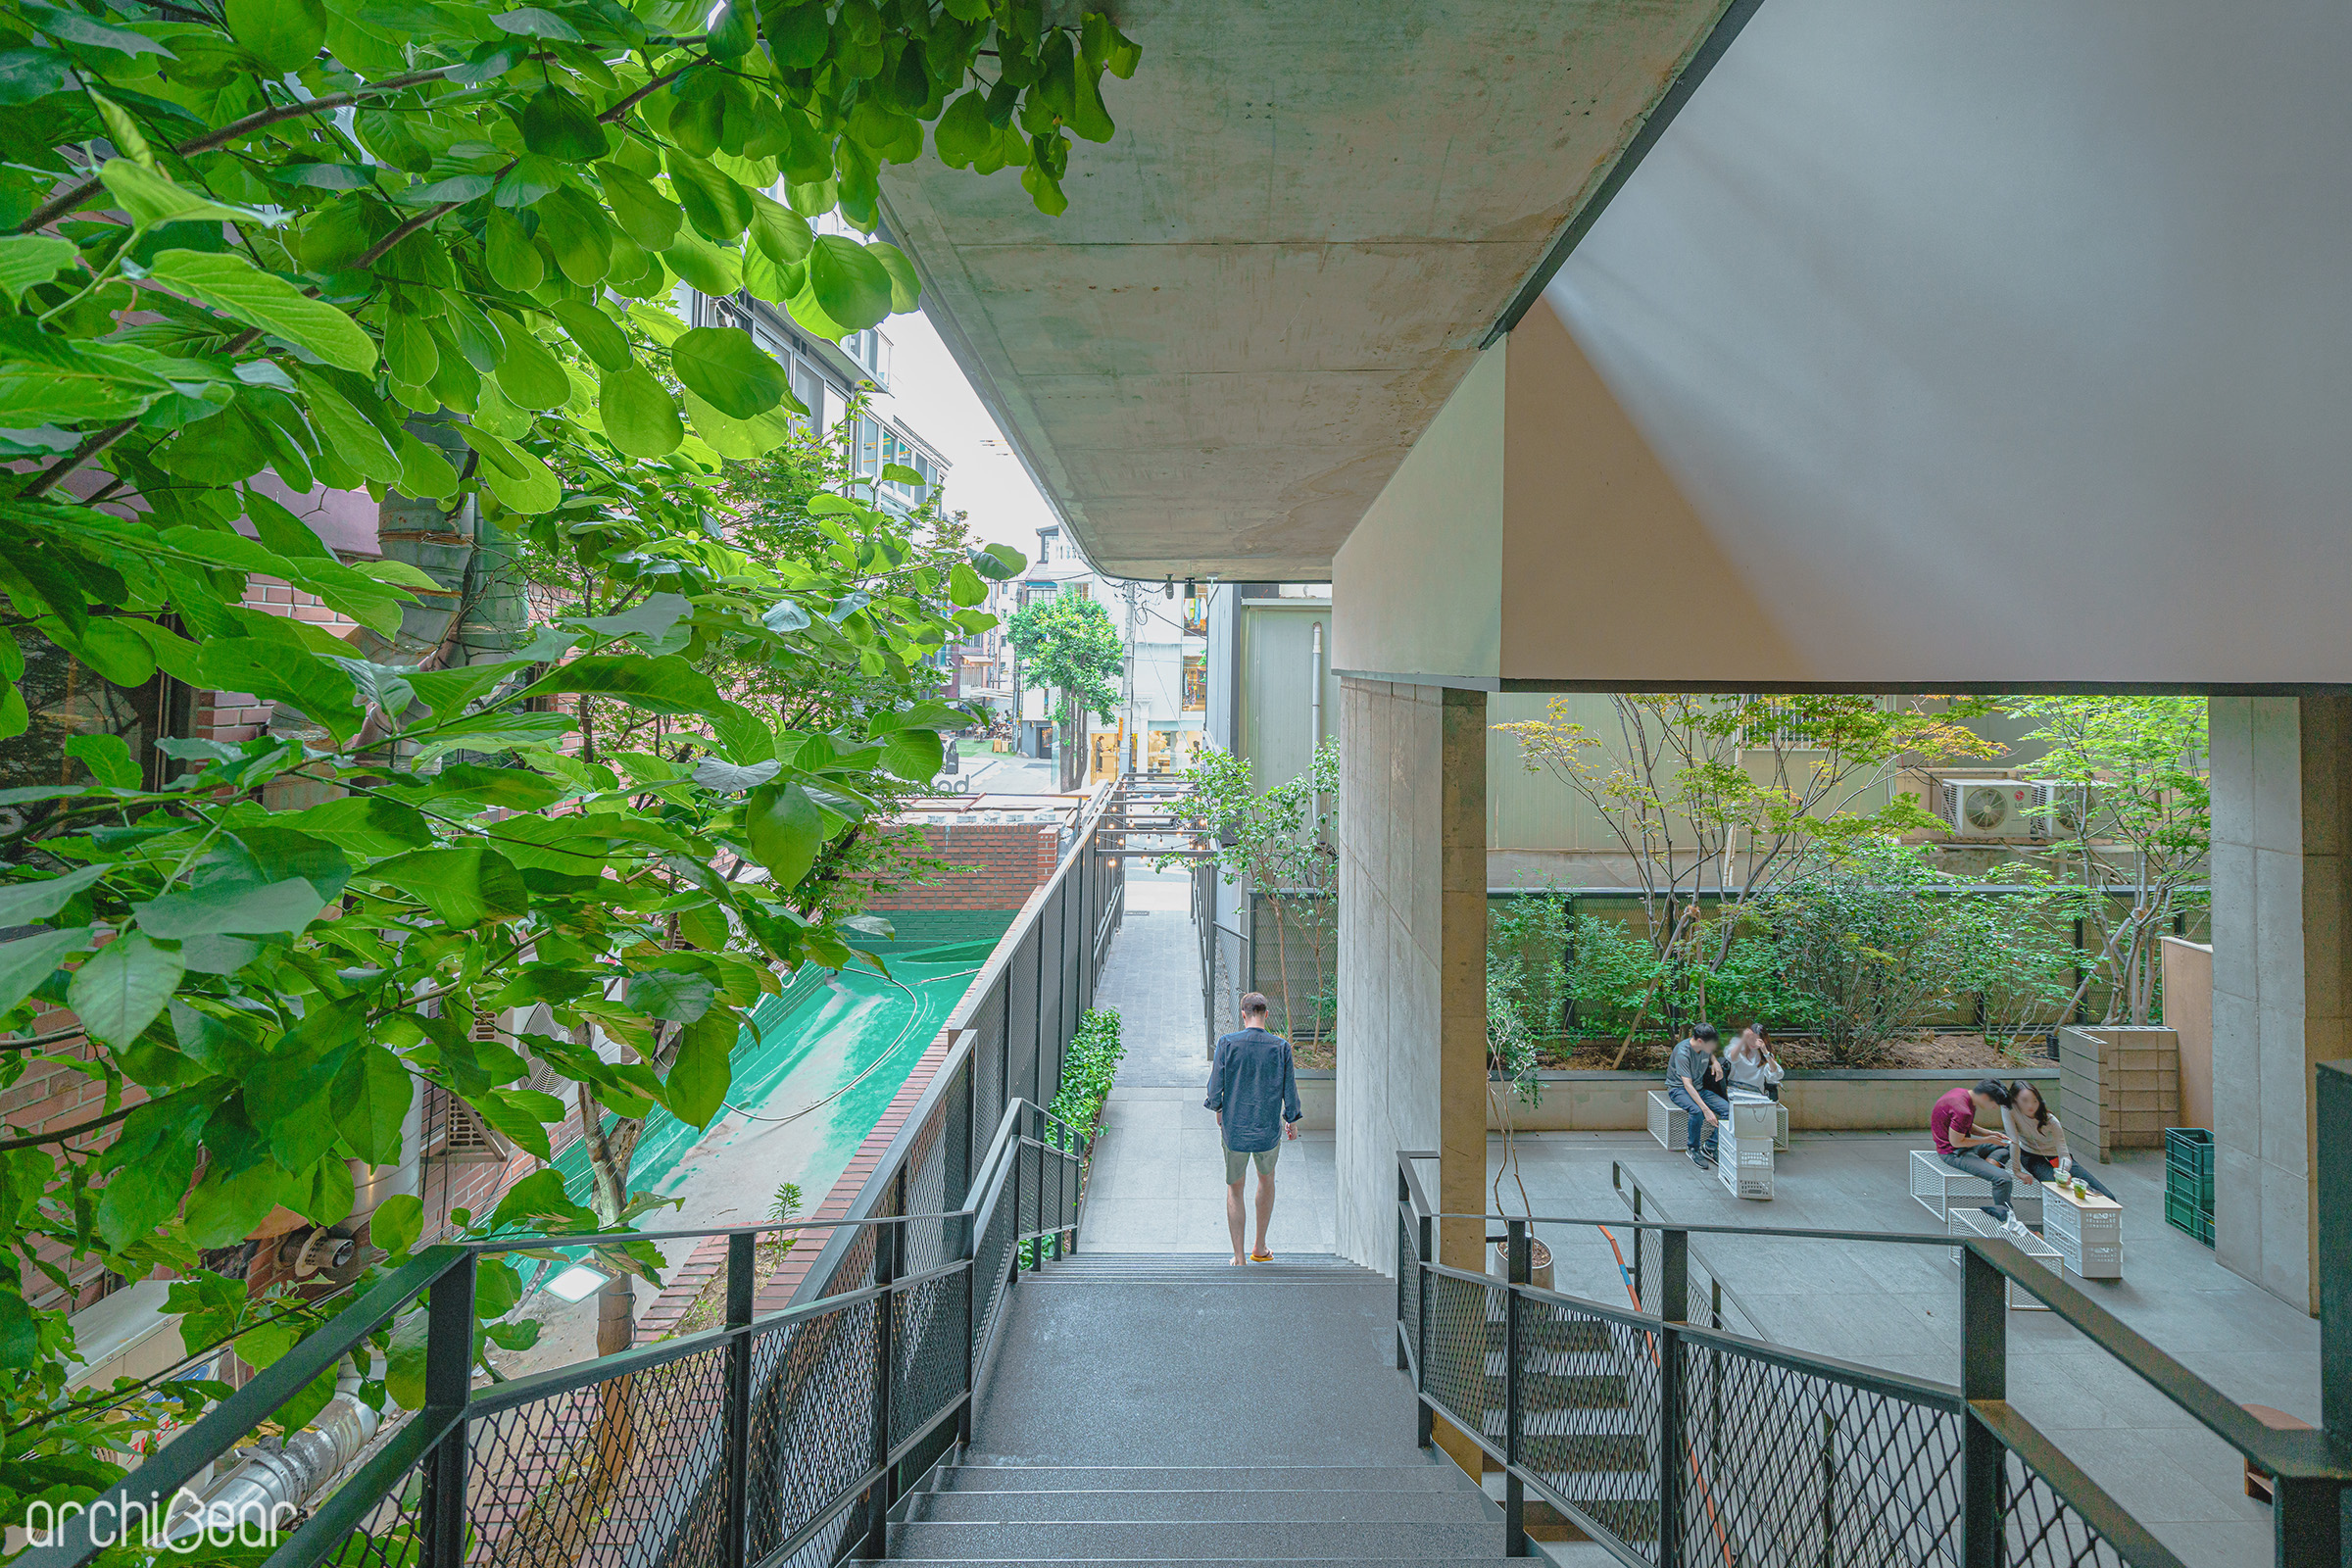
{"points": [[1253, 1082]]}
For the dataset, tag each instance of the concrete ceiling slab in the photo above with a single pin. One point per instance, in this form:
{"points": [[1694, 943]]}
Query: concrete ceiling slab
{"points": [[1270, 280]]}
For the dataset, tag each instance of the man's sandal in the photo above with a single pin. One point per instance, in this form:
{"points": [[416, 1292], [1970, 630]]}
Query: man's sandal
{"points": [[1261, 1257]]}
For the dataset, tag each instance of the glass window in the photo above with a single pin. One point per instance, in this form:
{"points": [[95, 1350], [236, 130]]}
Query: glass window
{"points": [[66, 699]]}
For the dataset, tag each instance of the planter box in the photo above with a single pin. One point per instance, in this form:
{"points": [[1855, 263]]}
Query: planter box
{"points": [[1894, 1099], [2118, 1087]]}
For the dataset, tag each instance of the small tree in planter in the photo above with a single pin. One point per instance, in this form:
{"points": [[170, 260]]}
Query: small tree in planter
{"points": [[2137, 769]]}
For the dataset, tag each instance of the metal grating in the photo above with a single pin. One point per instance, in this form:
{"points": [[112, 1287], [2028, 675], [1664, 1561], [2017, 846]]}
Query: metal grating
{"points": [[813, 1420], [1464, 1374], [389, 1534], [2039, 1531], [1789, 1467], [583, 1476], [926, 1373], [1589, 1415]]}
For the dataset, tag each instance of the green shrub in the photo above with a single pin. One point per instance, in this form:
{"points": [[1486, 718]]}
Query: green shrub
{"points": [[1088, 1068]]}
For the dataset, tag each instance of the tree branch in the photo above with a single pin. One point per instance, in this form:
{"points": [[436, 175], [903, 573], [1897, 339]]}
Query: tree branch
{"points": [[38, 1139], [64, 200]]}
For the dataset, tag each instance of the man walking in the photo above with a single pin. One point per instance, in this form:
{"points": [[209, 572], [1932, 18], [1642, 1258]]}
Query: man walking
{"points": [[1254, 1087], [1694, 1081]]}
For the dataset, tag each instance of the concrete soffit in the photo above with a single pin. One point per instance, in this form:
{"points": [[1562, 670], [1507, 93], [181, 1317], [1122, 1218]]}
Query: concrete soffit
{"points": [[1274, 275]]}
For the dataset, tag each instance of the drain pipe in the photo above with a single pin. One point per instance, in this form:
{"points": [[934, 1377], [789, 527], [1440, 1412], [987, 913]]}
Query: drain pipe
{"points": [[272, 1484], [1314, 723]]}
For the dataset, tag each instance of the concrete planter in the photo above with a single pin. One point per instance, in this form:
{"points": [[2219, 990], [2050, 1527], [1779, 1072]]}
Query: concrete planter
{"points": [[2118, 1087], [1895, 1100]]}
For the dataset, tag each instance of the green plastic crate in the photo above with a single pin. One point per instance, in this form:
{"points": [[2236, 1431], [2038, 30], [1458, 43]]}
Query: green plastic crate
{"points": [[2184, 1215], [2188, 1165]]}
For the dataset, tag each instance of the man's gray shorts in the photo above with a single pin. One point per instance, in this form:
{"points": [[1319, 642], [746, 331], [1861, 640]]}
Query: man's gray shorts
{"points": [[1236, 1162]]}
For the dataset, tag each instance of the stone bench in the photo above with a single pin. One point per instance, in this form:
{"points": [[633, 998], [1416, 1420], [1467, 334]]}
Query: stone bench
{"points": [[1937, 1186]]}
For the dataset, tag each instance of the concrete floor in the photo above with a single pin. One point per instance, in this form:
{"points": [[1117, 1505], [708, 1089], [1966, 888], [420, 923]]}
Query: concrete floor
{"points": [[1159, 1178], [1157, 1187]]}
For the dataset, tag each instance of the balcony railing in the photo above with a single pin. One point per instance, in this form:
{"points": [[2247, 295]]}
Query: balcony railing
{"points": [[1677, 1445]]}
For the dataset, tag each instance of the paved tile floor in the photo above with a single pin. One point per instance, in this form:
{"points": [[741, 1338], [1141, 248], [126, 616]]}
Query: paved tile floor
{"points": [[1157, 1187], [1158, 1181]]}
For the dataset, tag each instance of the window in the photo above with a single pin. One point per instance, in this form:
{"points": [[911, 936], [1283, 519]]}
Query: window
{"points": [[1196, 683], [66, 699], [1195, 617]]}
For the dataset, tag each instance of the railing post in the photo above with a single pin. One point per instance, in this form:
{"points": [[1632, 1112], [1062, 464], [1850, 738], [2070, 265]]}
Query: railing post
{"points": [[886, 1241], [1404, 1196], [2332, 1218], [1637, 1234], [970, 1249], [1425, 1247], [1828, 1490], [740, 1283], [448, 1380], [1984, 1375], [1674, 1306], [1514, 1490]]}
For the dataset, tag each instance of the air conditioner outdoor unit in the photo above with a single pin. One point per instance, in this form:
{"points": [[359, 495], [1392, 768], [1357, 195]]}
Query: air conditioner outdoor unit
{"points": [[1991, 807], [2063, 807]]}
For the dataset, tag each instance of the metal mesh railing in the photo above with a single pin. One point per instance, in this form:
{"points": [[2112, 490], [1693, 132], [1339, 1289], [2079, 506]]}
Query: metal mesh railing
{"points": [[1675, 1442], [1855, 1474]]}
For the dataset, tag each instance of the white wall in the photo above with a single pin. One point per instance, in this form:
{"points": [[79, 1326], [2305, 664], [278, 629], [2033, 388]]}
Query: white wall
{"points": [[1997, 340]]}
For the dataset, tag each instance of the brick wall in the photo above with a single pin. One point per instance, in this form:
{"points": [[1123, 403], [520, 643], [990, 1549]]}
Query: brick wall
{"points": [[994, 865], [233, 716]]}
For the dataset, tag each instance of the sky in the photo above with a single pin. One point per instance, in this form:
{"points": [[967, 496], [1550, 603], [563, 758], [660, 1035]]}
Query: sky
{"points": [[929, 394]]}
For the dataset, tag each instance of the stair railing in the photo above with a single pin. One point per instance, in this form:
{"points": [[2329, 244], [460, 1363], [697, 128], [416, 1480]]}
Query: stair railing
{"points": [[1675, 1445], [747, 1444]]}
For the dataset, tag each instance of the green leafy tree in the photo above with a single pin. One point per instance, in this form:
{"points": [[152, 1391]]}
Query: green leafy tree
{"points": [[1282, 843], [1067, 644], [2136, 777], [1741, 795], [424, 252]]}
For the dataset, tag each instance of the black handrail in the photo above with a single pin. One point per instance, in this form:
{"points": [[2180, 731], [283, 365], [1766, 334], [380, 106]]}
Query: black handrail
{"points": [[2314, 1468]]}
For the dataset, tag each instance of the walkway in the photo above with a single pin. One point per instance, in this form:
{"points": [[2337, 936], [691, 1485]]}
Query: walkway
{"points": [[1159, 1178]]}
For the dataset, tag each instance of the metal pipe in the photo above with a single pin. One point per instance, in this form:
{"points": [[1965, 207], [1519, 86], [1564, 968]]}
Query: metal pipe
{"points": [[271, 1485]]}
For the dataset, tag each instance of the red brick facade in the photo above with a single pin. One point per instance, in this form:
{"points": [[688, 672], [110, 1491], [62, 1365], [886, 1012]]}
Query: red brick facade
{"points": [[996, 865]]}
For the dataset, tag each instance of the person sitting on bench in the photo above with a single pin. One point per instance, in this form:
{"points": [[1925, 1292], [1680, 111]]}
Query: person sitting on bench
{"points": [[1958, 1144], [2040, 1142], [1694, 1081], [1753, 1063]]}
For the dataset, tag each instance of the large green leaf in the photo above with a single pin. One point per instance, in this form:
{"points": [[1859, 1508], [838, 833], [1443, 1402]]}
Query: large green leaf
{"points": [[785, 831], [25, 903], [665, 685], [279, 674], [700, 1077], [596, 334], [713, 269], [150, 198], [529, 375], [737, 438], [464, 886], [286, 33], [364, 824], [848, 283], [725, 369], [646, 216], [915, 754], [719, 209], [670, 995], [236, 288], [28, 960], [371, 1098], [515, 476], [27, 260], [778, 231], [121, 988], [638, 414], [232, 909], [557, 125]]}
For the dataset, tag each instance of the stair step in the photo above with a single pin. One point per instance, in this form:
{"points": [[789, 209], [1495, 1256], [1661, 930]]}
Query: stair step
{"points": [[1103, 1541], [1209, 1507], [982, 1474], [1139, 1268]]}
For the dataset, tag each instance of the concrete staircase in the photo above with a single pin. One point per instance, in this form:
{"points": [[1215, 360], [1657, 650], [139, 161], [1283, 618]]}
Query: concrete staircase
{"points": [[991, 1510], [1169, 1408]]}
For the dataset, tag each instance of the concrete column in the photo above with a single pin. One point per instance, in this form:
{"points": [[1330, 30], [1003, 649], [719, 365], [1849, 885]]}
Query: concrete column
{"points": [[1462, 979], [1412, 960], [2282, 921]]}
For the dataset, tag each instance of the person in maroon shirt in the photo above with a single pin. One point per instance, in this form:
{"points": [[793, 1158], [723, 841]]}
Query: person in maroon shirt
{"points": [[1959, 1144]]}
